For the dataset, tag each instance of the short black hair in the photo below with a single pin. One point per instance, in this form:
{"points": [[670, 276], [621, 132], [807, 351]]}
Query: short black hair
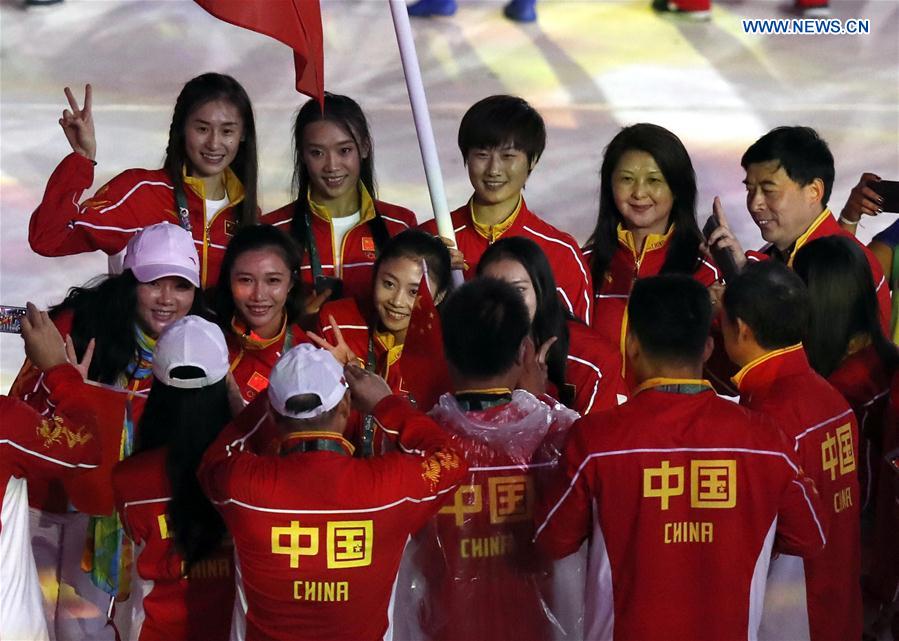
{"points": [[671, 316], [500, 120], [772, 300], [483, 322], [802, 153]]}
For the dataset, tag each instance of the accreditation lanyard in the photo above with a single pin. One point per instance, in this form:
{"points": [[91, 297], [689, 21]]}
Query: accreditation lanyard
{"points": [[315, 261], [366, 445], [183, 211]]}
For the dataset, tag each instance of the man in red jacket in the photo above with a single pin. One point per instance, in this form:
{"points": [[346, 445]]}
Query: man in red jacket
{"points": [[319, 534], [501, 139], [682, 495], [789, 178], [817, 598]]}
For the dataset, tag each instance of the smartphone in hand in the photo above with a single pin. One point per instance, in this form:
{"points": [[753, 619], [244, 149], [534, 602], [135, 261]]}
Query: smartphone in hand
{"points": [[11, 319], [723, 257], [889, 191]]}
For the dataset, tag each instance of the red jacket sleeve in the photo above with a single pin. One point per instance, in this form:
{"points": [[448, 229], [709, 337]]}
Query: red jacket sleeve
{"points": [[36, 447], [564, 509], [53, 231]]}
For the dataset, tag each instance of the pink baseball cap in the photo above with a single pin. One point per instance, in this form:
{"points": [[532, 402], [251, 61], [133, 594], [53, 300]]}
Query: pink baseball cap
{"points": [[192, 342], [163, 250], [306, 369]]}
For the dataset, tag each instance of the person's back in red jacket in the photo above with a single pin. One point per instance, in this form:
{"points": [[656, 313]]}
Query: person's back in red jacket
{"points": [[817, 598], [682, 495], [319, 534]]}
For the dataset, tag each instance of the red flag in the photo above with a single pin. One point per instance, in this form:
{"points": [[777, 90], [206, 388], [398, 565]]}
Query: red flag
{"points": [[296, 23], [425, 373]]}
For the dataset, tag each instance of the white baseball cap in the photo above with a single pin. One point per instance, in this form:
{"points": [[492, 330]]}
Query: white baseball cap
{"points": [[193, 342], [306, 369], [163, 250]]}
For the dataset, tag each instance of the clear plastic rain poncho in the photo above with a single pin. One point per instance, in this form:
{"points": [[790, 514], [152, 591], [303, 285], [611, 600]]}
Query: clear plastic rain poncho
{"points": [[473, 573]]}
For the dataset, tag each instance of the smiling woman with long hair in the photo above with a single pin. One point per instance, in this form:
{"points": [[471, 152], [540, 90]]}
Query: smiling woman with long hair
{"points": [[207, 183], [646, 223], [336, 217]]}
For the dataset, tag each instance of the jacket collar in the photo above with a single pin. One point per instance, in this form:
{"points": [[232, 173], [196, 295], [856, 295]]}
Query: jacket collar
{"points": [[820, 223], [315, 441], [763, 371], [366, 206], [654, 242], [250, 340], [493, 232], [233, 186]]}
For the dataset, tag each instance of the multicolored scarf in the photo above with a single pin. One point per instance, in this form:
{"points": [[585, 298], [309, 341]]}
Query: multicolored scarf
{"points": [[108, 553]]}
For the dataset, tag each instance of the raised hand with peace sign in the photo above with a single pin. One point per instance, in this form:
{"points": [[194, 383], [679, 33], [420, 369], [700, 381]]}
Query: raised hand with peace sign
{"points": [[78, 124]]}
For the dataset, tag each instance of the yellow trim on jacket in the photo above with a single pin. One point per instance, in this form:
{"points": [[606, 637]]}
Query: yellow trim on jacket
{"points": [[493, 232], [764, 358]]}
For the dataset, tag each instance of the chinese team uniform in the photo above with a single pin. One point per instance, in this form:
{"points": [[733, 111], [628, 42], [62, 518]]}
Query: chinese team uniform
{"points": [[572, 275], [134, 199], [594, 368], [826, 225], [354, 260], [863, 380], [624, 269], [32, 447], [319, 534], [482, 577], [252, 357], [682, 496], [165, 602], [816, 598]]}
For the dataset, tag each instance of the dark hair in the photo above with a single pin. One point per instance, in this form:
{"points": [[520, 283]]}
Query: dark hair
{"points": [[843, 302], [483, 322], [186, 421], [550, 318], [346, 113], [419, 245], [253, 238], [671, 316], [500, 120], [673, 160], [772, 300], [197, 92], [801, 152], [305, 403], [105, 309]]}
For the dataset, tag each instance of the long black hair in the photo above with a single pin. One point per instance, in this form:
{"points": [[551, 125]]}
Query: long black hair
{"points": [[105, 309], [673, 160], [196, 93], [187, 421], [348, 115], [550, 318], [843, 303], [254, 238]]}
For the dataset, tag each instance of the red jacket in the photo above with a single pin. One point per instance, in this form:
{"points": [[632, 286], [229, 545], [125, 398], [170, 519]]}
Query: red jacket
{"points": [[358, 252], [33, 447], [91, 492], [822, 427], [825, 225], [624, 269], [319, 534], [884, 580], [863, 380], [594, 368], [168, 603], [681, 496], [252, 360], [569, 268], [134, 199], [483, 579]]}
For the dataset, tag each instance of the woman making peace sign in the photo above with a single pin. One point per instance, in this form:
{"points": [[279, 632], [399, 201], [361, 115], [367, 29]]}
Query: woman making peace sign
{"points": [[207, 183]]}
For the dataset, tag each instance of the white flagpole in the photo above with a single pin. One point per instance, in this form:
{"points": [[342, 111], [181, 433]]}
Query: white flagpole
{"points": [[422, 118]]}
